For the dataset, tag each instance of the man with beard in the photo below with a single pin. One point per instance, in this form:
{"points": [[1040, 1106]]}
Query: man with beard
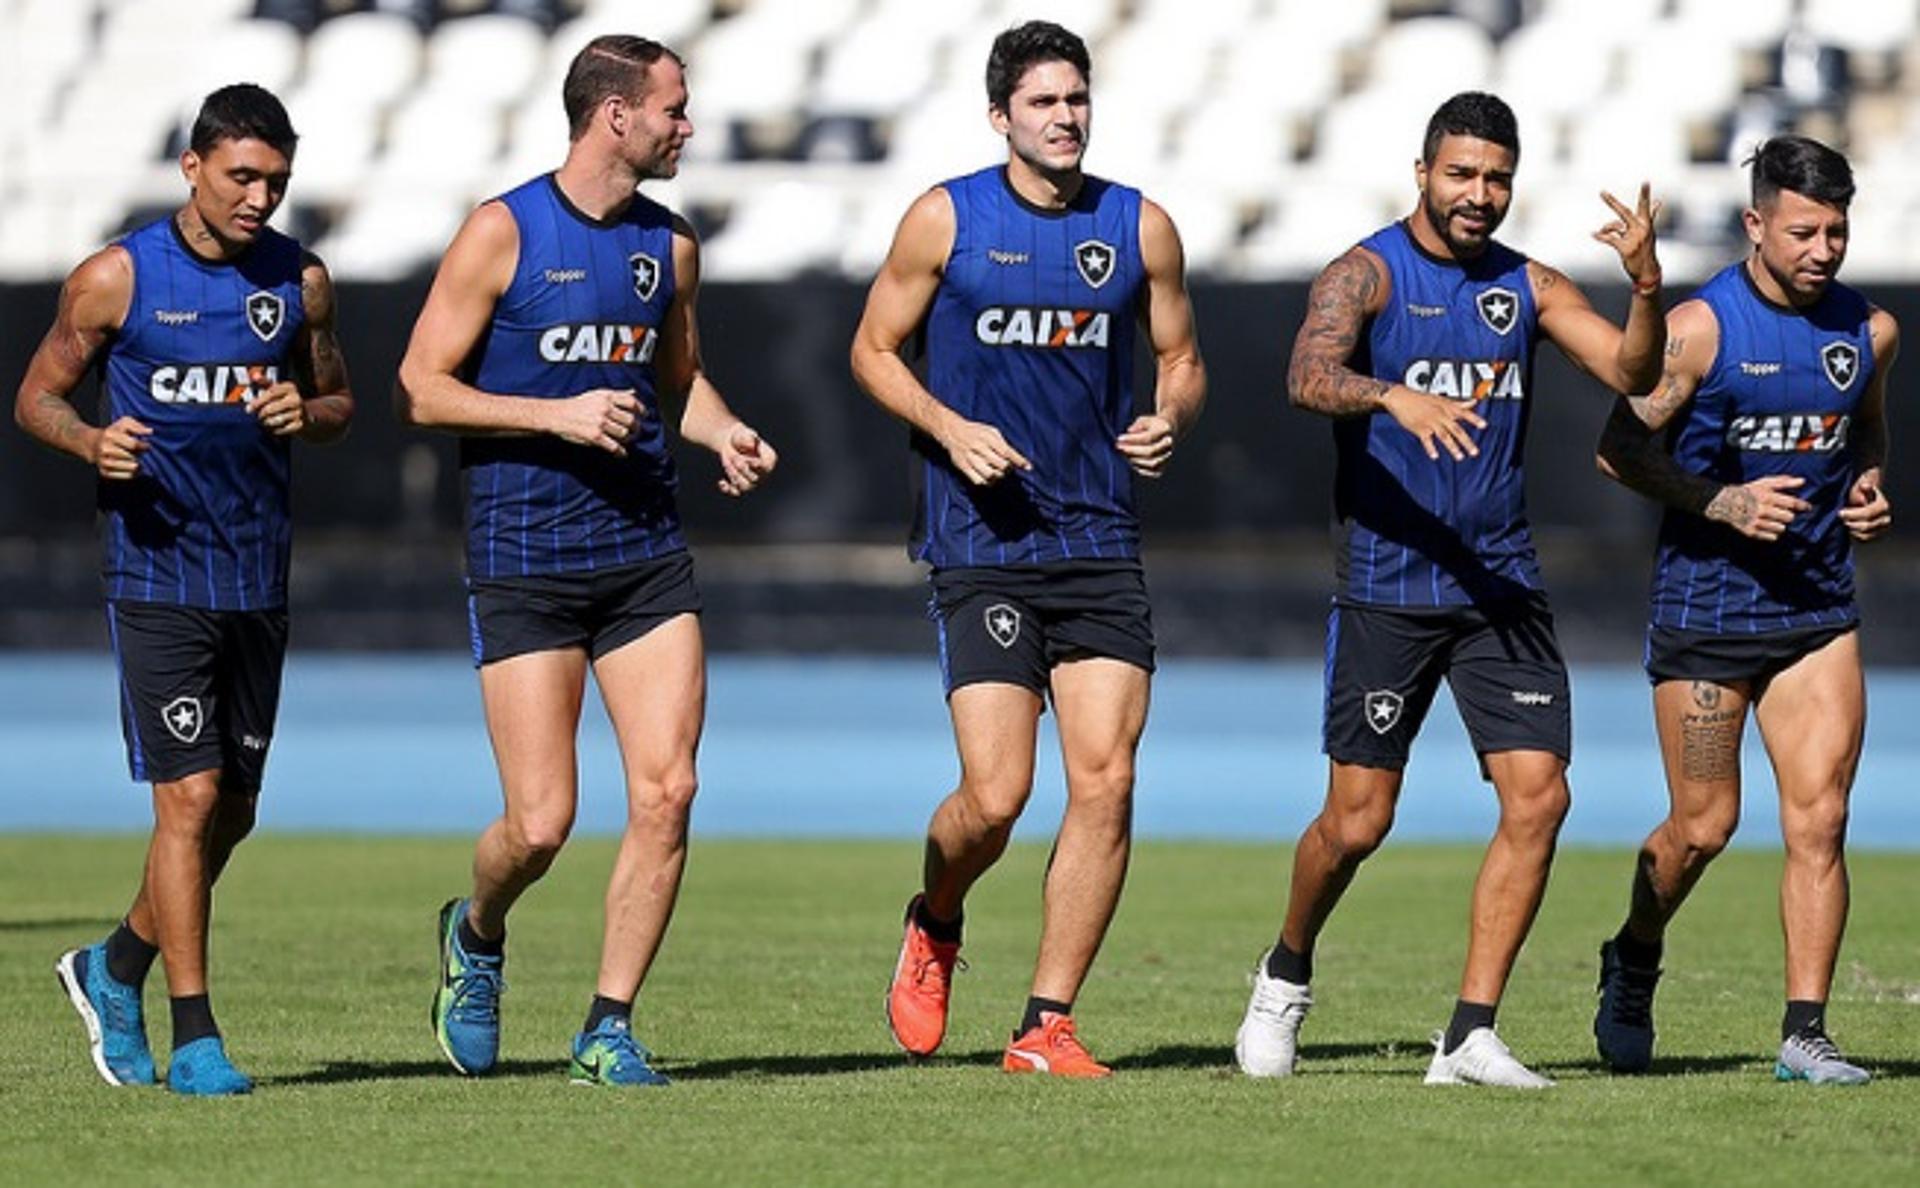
{"points": [[560, 321], [1419, 342], [1775, 389]]}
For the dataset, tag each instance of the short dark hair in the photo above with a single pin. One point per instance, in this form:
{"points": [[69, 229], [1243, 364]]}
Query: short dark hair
{"points": [[1022, 47], [612, 64], [1476, 114], [1802, 165], [240, 112]]}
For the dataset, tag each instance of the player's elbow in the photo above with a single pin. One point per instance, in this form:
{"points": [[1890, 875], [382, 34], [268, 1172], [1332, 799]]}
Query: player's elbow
{"points": [[410, 405]]}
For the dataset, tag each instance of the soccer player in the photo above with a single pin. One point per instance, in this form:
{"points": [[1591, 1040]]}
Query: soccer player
{"points": [[1773, 404], [216, 338], [561, 319], [1419, 343], [1027, 279]]}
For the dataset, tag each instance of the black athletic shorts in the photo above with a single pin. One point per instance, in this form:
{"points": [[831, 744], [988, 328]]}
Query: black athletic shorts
{"points": [[1501, 661], [1012, 624], [597, 611], [199, 690], [1676, 655]]}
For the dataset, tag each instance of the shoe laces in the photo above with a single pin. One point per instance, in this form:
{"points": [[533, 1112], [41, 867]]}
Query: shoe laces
{"points": [[477, 987], [121, 1005], [1817, 1045], [1058, 1033], [932, 973], [1633, 996], [1271, 1003], [620, 1044]]}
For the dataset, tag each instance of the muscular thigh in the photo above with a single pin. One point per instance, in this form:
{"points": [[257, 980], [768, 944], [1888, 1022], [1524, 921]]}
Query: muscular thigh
{"points": [[1101, 707], [1812, 716], [532, 704], [1700, 723], [655, 690]]}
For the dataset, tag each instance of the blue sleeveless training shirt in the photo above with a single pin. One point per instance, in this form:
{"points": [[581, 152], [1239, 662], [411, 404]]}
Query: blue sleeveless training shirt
{"points": [[205, 523], [1780, 398], [583, 311], [1032, 332], [1420, 533]]}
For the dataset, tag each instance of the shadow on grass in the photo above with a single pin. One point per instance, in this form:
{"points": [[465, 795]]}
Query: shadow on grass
{"points": [[346, 1072], [1220, 1056], [823, 1065], [86, 925]]}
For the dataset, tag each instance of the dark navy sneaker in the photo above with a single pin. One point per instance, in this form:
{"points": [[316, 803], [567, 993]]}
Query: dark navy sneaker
{"points": [[1623, 1024], [1811, 1057], [116, 1031], [466, 1005], [201, 1069], [609, 1055]]}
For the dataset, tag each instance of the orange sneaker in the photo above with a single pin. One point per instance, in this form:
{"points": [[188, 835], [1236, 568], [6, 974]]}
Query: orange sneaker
{"points": [[1052, 1048], [917, 999]]}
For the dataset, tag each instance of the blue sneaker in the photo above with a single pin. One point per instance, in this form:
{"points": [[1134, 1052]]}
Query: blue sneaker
{"points": [[116, 1032], [609, 1055], [201, 1069], [466, 1006]]}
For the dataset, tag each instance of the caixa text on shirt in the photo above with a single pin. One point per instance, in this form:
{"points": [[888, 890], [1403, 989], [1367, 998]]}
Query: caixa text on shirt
{"points": [[210, 383], [598, 342], [1468, 379], [1040, 326], [1789, 433]]}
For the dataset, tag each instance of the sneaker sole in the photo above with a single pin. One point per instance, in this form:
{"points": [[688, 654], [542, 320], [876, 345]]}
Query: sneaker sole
{"points": [[77, 995]]}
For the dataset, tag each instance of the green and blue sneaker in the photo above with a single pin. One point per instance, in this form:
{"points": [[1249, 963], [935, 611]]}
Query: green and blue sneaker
{"points": [[201, 1069], [609, 1055], [466, 1005], [116, 1032], [1811, 1057]]}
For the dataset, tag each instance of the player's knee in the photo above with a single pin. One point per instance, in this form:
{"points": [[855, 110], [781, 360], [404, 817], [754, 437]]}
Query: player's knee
{"points": [[1106, 785], [995, 803], [667, 798], [536, 838], [1816, 829], [1355, 831], [1537, 809], [1706, 834], [187, 806]]}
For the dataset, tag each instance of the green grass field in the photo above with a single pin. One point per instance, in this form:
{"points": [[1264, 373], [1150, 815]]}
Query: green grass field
{"points": [[766, 1008]]}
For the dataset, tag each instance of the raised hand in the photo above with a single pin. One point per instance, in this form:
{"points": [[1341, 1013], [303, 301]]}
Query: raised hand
{"points": [[279, 408], [602, 417], [1867, 514], [1631, 234], [1439, 423], [981, 454], [117, 456], [1147, 445], [746, 458]]}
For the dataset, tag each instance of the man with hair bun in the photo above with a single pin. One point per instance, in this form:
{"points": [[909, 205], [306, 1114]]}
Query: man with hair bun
{"points": [[1772, 408], [1419, 343], [216, 338], [561, 321]]}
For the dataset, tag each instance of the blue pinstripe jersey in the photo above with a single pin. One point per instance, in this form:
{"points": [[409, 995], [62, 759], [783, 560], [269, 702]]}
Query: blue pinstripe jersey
{"points": [[583, 311], [206, 521], [1032, 332], [1780, 398], [1415, 532]]}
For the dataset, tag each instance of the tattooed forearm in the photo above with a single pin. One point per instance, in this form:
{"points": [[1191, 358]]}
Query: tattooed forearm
{"points": [[52, 420], [1641, 461], [1338, 306], [1710, 735]]}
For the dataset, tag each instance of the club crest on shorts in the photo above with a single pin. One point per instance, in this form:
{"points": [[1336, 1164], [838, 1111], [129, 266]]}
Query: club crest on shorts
{"points": [[646, 275], [1382, 708], [265, 312], [1841, 361], [1499, 308], [183, 719], [1095, 260], [1003, 623]]}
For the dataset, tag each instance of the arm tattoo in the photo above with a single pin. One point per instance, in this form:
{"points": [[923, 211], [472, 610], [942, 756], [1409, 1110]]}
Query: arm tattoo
{"points": [[1318, 377], [1642, 462]]}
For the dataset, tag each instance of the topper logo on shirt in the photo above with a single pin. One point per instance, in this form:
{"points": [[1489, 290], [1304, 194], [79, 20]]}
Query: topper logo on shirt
{"points": [[265, 312], [1789, 433], [595, 342], [210, 383], [1499, 308], [1467, 379], [646, 275], [1841, 362], [1023, 325], [1095, 260]]}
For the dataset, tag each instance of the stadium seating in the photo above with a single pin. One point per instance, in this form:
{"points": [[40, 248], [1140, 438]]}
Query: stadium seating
{"points": [[1275, 129]]}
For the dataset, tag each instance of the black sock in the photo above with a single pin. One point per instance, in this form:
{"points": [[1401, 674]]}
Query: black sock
{"points": [[473, 942], [607, 1008], [1636, 953], [129, 956], [1031, 1019], [947, 932], [1289, 966], [192, 1019], [1467, 1018], [1803, 1017]]}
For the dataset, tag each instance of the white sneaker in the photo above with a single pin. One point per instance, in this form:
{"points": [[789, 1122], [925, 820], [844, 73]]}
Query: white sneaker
{"points": [[1481, 1059], [1268, 1038]]}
